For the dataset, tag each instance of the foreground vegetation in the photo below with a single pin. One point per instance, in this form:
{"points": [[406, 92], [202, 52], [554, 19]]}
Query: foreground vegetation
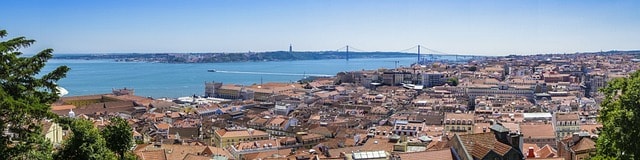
{"points": [[25, 102], [620, 117]]}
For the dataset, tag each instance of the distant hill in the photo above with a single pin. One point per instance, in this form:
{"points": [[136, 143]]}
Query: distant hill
{"points": [[265, 56], [232, 57]]}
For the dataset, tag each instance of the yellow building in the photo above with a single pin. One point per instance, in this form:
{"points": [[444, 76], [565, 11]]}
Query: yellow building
{"points": [[566, 124], [53, 132], [229, 91], [232, 136], [460, 123]]}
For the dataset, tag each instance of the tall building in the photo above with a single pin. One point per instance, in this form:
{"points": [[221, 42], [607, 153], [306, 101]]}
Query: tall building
{"points": [[595, 82], [431, 79], [393, 78]]}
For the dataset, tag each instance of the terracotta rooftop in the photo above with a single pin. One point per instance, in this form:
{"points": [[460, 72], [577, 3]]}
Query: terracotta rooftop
{"points": [[87, 97], [196, 157], [383, 145], [525, 148], [277, 121], [479, 144], [537, 131], [567, 116], [547, 152], [591, 128], [173, 151], [210, 151], [440, 155], [138, 99], [479, 127], [163, 126], [584, 144], [280, 154], [153, 155], [258, 144], [459, 116], [240, 133], [62, 107]]}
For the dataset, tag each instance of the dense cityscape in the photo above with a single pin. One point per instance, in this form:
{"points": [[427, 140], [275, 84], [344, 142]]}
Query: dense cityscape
{"points": [[510, 107], [320, 80]]}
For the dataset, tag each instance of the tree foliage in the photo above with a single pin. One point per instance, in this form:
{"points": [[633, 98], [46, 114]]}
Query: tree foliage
{"points": [[118, 135], [473, 68], [25, 99], [453, 81], [86, 143], [620, 117]]}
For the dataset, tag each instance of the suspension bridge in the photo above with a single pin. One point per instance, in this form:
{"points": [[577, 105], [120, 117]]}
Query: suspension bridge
{"points": [[430, 56]]}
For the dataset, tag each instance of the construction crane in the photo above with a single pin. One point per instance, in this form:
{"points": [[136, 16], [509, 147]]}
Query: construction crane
{"points": [[396, 62]]}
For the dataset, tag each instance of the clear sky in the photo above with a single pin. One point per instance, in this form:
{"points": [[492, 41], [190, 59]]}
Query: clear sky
{"points": [[465, 27]]}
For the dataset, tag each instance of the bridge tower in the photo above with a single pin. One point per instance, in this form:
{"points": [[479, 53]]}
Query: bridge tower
{"points": [[418, 54], [347, 52]]}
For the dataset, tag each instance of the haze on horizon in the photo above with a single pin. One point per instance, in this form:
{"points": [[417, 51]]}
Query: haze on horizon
{"points": [[497, 27]]}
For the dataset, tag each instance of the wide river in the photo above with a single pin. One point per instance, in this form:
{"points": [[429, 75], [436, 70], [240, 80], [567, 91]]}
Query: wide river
{"points": [[175, 80]]}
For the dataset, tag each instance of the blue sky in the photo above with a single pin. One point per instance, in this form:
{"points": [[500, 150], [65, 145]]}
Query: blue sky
{"points": [[466, 27]]}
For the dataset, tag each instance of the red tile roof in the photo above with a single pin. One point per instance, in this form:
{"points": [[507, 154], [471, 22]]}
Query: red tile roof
{"points": [[546, 152], [479, 144], [440, 155], [153, 155], [538, 131], [584, 144]]}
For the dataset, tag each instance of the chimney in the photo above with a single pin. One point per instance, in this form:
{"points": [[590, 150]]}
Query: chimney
{"points": [[531, 154], [517, 141]]}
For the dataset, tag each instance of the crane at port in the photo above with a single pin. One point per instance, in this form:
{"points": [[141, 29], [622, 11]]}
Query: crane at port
{"points": [[396, 63]]}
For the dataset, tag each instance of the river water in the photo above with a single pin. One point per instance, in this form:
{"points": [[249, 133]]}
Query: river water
{"points": [[175, 80]]}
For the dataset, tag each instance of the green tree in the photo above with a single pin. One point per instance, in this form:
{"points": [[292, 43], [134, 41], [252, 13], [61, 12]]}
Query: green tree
{"points": [[119, 136], [473, 68], [86, 143], [131, 156], [620, 118], [453, 81], [25, 99]]}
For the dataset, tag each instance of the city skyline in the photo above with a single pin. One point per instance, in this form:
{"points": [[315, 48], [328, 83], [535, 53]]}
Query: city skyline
{"points": [[460, 27]]}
